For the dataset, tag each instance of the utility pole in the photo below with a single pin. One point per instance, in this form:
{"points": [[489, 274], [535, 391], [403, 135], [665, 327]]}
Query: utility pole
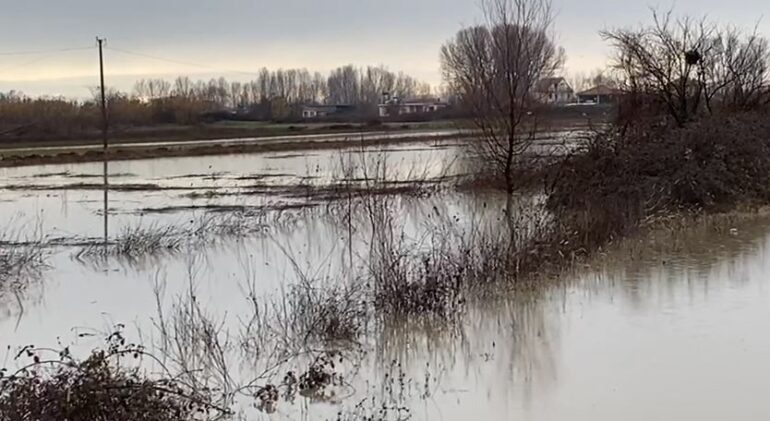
{"points": [[104, 101], [105, 127]]}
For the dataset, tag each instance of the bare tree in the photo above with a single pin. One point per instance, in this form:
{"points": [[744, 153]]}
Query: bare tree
{"points": [[663, 60], [183, 87], [150, 89], [735, 74], [405, 86], [374, 82], [691, 66], [319, 87], [493, 69], [581, 81], [343, 85]]}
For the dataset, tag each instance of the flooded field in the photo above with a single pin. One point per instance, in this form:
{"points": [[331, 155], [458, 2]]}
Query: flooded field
{"points": [[672, 334]]}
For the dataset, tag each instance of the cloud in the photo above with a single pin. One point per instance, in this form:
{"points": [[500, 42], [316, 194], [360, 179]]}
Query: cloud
{"points": [[249, 34]]}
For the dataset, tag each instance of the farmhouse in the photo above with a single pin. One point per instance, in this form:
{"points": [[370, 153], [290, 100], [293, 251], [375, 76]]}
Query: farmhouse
{"points": [[600, 94], [554, 90], [395, 106], [320, 111]]}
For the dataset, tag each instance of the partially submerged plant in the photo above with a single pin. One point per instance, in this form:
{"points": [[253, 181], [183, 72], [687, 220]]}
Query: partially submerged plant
{"points": [[313, 313], [137, 242], [103, 386], [21, 260]]}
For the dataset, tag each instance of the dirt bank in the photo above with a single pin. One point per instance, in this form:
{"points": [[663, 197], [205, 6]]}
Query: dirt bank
{"points": [[38, 156]]}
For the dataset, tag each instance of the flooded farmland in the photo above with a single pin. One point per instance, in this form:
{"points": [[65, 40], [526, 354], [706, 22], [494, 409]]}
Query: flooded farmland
{"points": [[670, 334]]}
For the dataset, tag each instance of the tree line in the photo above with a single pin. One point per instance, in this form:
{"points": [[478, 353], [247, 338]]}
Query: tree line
{"points": [[276, 95], [347, 85]]}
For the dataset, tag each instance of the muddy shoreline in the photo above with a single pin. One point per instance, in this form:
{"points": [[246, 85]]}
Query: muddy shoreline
{"points": [[138, 152]]}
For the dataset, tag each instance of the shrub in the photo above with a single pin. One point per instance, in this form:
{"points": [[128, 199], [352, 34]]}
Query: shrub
{"points": [[711, 163], [623, 178], [95, 389]]}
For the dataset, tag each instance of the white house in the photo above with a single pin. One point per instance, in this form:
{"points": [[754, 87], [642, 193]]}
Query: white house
{"points": [[554, 90], [396, 106], [320, 111]]}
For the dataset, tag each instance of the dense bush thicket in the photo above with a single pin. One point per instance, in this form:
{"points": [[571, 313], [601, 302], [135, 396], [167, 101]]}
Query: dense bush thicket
{"points": [[709, 163], [692, 131]]}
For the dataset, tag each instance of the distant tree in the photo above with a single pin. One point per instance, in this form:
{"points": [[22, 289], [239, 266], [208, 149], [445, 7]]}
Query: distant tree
{"points": [[276, 94], [375, 80], [183, 87], [343, 85], [147, 90], [405, 87], [319, 87], [581, 81]]}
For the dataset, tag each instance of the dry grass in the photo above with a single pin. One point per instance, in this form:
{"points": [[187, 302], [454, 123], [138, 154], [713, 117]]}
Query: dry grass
{"points": [[21, 257], [278, 347], [139, 244], [313, 313]]}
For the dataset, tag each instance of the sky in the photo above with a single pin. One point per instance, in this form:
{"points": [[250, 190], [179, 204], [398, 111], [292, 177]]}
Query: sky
{"points": [[234, 38]]}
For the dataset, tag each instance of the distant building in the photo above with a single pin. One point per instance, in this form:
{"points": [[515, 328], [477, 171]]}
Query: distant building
{"points": [[600, 94], [554, 90], [321, 111], [395, 106]]}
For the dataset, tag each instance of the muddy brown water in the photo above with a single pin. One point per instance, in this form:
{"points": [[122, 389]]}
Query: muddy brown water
{"points": [[676, 335]]}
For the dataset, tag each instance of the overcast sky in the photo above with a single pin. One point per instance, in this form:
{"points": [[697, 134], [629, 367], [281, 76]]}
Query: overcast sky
{"points": [[219, 36]]}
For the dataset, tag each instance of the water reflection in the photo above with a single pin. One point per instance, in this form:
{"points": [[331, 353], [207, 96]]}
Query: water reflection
{"points": [[672, 334], [106, 210], [671, 328], [170, 190]]}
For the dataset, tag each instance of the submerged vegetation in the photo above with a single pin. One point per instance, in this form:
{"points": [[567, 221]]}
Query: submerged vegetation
{"points": [[22, 260], [136, 243]]}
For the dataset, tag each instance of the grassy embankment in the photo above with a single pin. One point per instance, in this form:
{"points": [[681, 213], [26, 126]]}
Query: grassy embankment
{"points": [[30, 148], [139, 143]]}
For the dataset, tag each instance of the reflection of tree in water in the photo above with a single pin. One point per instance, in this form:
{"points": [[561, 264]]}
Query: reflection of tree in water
{"points": [[507, 342], [507, 348], [685, 264], [17, 297], [23, 261], [501, 349]]}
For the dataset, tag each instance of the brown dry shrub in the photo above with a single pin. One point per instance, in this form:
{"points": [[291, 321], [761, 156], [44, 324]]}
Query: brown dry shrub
{"points": [[91, 390], [712, 163], [106, 386], [625, 177]]}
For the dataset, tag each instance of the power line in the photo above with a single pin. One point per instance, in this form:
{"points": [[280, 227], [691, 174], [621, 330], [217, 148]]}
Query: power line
{"points": [[37, 52], [150, 56], [25, 64], [186, 63], [46, 55]]}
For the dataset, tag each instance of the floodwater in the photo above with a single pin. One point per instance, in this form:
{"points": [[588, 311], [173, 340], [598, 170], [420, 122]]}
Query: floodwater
{"points": [[677, 335]]}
